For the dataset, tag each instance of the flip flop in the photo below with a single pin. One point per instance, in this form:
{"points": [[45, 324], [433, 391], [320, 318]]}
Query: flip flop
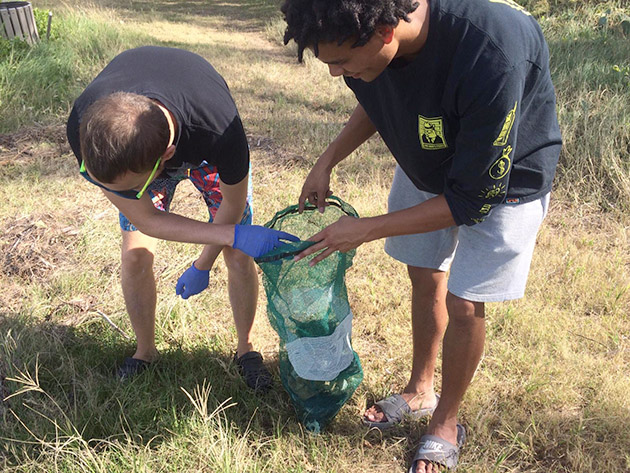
{"points": [[438, 451], [131, 367], [396, 410], [253, 371]]}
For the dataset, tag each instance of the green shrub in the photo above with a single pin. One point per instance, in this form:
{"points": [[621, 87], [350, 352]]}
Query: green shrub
{"points": [[15, 48], [41, 21]]}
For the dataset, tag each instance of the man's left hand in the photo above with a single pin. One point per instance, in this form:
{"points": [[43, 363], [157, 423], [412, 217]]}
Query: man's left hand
{"points": [[192, 282], [344, 235]]}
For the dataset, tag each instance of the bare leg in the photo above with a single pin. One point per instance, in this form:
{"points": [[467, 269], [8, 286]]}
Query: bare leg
{"points": [[462, 350], [428, 320], [243, 293], [138, 285]]}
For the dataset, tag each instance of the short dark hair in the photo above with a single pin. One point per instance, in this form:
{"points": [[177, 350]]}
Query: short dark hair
{"points": [[122, 132], [310, 22]]}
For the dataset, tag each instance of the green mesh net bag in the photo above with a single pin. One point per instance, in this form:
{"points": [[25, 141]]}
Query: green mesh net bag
{"points": [[308, 308]]}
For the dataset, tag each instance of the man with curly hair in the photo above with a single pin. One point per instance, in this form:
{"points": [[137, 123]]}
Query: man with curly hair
{"points": [[461, 94]]}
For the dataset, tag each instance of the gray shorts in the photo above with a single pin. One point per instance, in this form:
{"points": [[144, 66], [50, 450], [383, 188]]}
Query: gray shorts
{"points": [[489, 262]]}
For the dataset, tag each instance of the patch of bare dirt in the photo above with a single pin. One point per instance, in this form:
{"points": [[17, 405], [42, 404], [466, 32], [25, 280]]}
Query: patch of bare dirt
{"points": [[33, 246], [29, 144], [273, 155]]}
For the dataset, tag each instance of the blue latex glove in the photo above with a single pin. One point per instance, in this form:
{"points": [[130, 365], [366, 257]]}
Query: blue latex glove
{"points": [[255, 240], [192, 282]]}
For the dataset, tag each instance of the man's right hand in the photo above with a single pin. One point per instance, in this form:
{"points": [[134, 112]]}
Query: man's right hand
{"points": [[256, 240], [316, 188]]}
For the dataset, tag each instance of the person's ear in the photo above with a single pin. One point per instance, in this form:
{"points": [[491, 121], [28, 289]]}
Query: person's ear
{"points": [[169, 153], [386, 32]]}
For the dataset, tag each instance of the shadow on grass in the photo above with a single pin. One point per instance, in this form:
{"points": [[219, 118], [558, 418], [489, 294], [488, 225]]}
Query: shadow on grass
{"points": [[67, 386]]}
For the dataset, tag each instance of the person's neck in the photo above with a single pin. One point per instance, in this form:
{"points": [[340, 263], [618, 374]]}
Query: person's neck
{"points": [[413, 36]]}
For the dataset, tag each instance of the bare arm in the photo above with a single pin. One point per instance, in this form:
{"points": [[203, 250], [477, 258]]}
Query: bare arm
{"points": [[230, 212], [349, 232], [167, 226]]}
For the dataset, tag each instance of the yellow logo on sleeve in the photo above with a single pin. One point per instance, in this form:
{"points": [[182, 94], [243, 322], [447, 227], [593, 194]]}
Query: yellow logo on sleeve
{"points": [[507, 128], [485, 208], [502, 165], [493, 191], [431, 133]]}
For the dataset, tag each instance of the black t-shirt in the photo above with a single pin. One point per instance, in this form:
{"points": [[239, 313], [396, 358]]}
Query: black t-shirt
{"points": [[473, 115], [209, 127]]}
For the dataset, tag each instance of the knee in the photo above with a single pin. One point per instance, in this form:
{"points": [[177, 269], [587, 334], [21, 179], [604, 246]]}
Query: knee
{"points": [[463, 311], [427, 283], [137, 260], [238, 262]]}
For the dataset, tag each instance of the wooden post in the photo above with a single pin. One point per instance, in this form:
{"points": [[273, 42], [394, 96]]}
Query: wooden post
{"points": [[48, 25], [7, 28], [18, 21]]}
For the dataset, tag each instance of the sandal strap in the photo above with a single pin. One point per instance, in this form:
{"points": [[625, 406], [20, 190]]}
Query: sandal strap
{"points": [[253, 370], [395, 409], [131, 367], [439, 451]]}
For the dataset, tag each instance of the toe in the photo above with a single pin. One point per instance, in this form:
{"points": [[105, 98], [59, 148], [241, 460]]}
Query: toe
{"points": [[374, 414]]}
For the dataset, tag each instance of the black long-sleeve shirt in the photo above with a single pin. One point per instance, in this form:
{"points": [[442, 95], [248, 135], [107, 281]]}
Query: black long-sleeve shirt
{"points": [[473, 115]]}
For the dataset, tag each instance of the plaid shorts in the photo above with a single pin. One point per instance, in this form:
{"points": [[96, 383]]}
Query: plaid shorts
{"points": [[205, 179]]}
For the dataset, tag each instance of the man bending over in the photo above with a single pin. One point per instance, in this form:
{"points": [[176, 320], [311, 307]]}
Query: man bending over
{"points": [[152, 118]]}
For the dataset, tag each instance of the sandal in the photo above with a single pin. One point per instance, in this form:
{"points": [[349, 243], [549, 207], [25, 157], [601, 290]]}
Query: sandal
{"points": [[438, 451], [131, 367], [253, 371], [396, 410]]}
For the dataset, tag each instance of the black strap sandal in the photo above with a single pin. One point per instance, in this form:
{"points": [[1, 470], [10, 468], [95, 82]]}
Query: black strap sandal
{"points": [[253, 371], [131, 367]]}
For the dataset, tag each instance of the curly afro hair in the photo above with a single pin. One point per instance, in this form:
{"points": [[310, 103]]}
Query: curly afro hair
{"points": [[310, 22]]}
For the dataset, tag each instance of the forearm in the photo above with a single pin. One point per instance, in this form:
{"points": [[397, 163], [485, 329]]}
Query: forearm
{"points": [[173, 227], [168, 226], [431, 215], [348, 233], [228, 213]]}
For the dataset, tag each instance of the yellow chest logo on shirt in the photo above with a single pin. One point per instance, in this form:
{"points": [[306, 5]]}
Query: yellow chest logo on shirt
{"points": [[431, 133]]}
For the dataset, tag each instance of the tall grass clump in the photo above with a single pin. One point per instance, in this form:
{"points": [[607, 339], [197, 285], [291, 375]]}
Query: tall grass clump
{"points": [[38, 84], [590, 65]]}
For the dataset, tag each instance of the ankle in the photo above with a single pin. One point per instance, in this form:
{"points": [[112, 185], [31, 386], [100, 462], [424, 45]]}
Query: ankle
{"points": [[443, 428], [147, 354], [420, 390], [243, 348]]}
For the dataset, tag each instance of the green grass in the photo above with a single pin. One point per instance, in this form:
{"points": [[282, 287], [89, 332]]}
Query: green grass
{"points": [[39, 84], [550, 394], [589, 66]]}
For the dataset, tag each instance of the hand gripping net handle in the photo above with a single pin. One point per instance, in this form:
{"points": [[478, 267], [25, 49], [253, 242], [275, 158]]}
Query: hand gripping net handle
{"points": [[296, 248]]}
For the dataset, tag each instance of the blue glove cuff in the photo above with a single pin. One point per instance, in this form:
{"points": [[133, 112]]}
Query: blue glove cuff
{"points": [[235, 236], [198, 270]]}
